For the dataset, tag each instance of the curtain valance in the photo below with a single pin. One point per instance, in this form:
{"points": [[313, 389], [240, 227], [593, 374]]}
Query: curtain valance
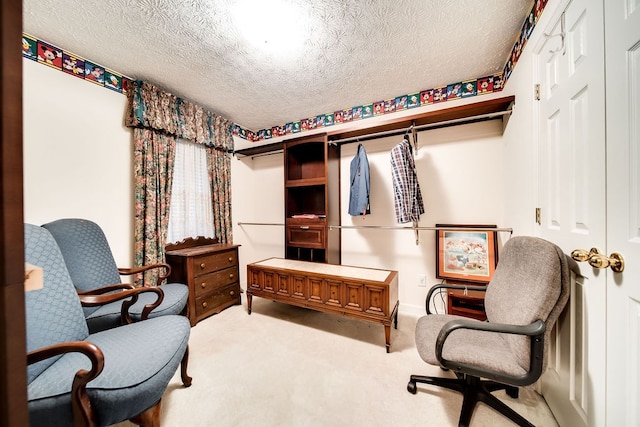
{"points": [[153, 108]]}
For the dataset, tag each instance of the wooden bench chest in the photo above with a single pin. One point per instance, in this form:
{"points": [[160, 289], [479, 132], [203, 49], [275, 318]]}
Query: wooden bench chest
{"points": [[356, 292]]}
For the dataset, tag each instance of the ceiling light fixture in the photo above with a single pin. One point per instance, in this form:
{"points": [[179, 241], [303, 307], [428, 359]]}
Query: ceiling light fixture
{"points": [[277, 27]]}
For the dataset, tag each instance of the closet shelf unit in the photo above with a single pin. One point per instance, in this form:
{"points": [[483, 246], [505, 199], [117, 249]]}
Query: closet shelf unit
{"points": [[492, 109], [312, 199]]}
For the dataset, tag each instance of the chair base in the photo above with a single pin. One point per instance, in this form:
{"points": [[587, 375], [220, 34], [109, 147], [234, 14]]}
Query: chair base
{"points": [[473, 390]]}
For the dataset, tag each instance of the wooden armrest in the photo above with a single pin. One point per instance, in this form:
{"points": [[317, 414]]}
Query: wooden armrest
{"points": [[107, 289], [131, 294], [80, 403], [161, 276]]}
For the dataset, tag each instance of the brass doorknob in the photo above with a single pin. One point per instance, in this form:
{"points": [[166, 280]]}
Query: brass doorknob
{"points": [[615, 261], [597, 260], [581, 255]]}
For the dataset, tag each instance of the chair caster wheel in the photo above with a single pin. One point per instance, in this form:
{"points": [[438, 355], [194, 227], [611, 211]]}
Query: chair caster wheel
{"points": [[411, 387], [512, 392]]}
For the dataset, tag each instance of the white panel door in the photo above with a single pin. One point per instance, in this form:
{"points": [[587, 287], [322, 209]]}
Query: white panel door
{"points": [[571, 197], [622, 35]]}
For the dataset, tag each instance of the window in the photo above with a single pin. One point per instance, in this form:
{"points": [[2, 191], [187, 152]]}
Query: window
{"points": [[191, 210]]}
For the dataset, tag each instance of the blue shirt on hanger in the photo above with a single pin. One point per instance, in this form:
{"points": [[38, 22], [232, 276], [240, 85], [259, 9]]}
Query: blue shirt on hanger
{"points": [[360, 185]]}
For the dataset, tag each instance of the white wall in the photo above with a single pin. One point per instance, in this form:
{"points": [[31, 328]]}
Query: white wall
{"points": [[77, 155]]}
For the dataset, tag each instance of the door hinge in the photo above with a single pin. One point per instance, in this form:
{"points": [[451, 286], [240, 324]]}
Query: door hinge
{"points": [[537, 91], [538, 219]]}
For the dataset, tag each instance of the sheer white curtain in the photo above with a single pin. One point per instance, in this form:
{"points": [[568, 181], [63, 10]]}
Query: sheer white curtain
{"points": [[191, 211]]}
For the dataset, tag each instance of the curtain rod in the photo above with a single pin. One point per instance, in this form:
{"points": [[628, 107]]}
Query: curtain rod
{"points": [[444, 123]]}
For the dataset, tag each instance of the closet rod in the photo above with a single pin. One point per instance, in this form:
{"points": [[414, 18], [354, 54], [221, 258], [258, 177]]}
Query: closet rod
{"points": [[396, 227], [391, 227], [269, 153], [259, 223], [445, 123]]}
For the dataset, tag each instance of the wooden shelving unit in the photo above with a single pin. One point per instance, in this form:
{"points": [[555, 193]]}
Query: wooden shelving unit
{"points": [[453, 116], [311, 188]]}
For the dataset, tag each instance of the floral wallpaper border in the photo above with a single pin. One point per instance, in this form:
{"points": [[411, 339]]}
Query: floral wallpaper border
{"points": [[48, 54], [72, 64]]}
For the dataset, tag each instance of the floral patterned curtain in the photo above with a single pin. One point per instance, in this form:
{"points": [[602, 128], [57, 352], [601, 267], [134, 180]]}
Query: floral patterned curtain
{"points": [[220, 176], [158, 118], [153, 158]]}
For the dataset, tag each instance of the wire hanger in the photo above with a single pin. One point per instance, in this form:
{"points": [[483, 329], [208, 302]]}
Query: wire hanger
{"points": [[414, 132], [414, 135], [562, 35]]}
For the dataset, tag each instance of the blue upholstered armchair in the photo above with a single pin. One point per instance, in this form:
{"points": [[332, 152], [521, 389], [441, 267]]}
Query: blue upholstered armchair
{"points": [[93, 271], [78, 378]]}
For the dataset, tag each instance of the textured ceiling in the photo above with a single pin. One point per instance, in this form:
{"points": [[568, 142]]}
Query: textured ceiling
{"points": [[351, 52]]}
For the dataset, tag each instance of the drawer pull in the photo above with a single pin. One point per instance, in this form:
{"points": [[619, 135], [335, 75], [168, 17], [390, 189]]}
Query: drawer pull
{"points": [[231, 276], [304, 227], [230, 259], [203, 285], [204, 304], [202, 265], [232, 293]]}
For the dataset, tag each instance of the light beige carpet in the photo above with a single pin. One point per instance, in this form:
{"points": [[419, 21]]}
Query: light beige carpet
{"points": [[290, 366]]}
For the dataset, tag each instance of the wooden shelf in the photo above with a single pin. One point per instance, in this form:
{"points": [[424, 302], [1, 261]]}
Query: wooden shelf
{"points": [[438, 118], [460, 112], [260, 149], [467, 304]]}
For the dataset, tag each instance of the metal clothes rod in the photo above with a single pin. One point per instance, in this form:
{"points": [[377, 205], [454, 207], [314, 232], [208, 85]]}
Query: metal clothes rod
{"points": [[259, 223], [392, 227], [421, 127], [269, 153]]}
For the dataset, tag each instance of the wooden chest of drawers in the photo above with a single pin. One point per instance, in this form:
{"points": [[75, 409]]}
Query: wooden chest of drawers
{"points": [[211, 272]]}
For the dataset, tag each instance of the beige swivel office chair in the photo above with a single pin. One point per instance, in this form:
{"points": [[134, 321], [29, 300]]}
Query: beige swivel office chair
{"points": [[525, 297]]}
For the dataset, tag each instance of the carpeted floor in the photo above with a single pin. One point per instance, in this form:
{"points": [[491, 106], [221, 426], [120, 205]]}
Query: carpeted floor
{"points": [[289, 366]]}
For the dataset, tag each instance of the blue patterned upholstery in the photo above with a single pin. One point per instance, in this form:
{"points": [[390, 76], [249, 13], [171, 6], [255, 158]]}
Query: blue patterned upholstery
{"points": [[91, 265], [63, 319], [140, 358]]}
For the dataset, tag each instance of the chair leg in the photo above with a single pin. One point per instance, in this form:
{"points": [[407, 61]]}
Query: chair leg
{"points": [[473, 391], [486, 397], [469, 401], [494, 386], [150, 417], [450, 383], [186, 379]]}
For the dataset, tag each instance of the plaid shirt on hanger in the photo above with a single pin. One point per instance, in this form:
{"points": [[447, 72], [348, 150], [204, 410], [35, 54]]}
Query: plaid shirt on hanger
{"points": [[406, 189]]}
